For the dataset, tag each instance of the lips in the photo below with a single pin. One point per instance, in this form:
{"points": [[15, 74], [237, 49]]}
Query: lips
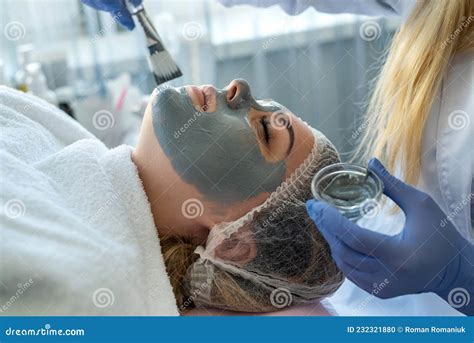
{"points": [[203, 98], [209, 97]]}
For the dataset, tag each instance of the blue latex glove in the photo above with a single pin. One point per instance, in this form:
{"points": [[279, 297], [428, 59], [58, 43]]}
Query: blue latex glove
{"points": [[428, 255], [117, 8]]}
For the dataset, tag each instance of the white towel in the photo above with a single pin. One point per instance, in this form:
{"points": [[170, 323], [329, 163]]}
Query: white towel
{"points": [[77, 235]]}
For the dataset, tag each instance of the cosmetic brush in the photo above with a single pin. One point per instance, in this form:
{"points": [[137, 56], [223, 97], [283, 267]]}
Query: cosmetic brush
{"points": [[162, 65]]}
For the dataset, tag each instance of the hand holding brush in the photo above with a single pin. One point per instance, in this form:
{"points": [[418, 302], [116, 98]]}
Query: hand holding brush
{"points": [[162, 65]]}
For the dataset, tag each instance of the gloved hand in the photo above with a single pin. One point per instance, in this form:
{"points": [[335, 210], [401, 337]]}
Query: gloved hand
{"points": [[118, 9], [428, 255]]}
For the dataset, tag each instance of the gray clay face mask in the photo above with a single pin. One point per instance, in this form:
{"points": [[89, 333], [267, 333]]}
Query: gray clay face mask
{"points": [[217, 152]]}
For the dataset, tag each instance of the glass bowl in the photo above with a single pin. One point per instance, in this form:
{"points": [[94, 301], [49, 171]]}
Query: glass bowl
{"points": [[351, 188]]}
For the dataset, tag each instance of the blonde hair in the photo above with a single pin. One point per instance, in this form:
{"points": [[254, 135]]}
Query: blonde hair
{"points": [[178, 255], [408, 83]]}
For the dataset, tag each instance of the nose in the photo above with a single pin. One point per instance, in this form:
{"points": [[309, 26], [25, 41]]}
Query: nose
{"points": [[238, 93]]}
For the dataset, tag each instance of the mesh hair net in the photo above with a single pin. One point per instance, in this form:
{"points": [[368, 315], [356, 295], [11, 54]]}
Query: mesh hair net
{"points": [[292, 263]]}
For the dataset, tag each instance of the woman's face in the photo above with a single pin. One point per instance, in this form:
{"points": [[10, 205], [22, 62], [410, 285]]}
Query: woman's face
{"points": [[222, 150]]}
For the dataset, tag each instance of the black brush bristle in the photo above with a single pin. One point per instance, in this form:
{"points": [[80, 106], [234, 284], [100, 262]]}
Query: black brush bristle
{"points": [[163, 66], [165, 78]]}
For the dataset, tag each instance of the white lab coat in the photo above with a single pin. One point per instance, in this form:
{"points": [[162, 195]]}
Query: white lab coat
{"points": [[447, 159]]}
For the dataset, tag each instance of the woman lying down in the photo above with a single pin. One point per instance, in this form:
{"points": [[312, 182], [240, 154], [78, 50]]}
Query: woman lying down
{"points": [[208, 211]]}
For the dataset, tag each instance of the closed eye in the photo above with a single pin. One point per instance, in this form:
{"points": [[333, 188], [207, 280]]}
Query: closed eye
{"points": [[264, 122]]}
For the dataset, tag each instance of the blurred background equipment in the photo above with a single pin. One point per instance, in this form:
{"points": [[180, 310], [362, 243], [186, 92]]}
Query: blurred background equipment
{"points": [[316, 64]]}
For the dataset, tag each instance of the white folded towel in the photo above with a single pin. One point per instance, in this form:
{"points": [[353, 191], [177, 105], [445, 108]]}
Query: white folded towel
{"points": [[77, 235]]}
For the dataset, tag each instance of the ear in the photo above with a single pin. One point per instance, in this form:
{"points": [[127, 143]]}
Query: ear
{"points": [[239, 248]]}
